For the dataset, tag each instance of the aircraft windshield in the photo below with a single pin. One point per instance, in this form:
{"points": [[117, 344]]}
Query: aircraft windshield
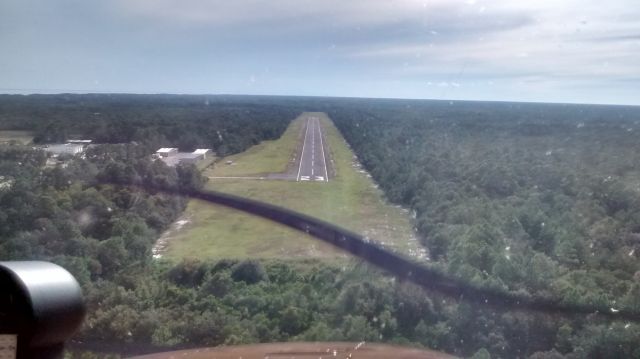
{"points": [[340, 177]]}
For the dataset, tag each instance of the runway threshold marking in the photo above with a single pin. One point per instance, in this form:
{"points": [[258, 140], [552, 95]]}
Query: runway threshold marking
{"points": [[313, 122]]}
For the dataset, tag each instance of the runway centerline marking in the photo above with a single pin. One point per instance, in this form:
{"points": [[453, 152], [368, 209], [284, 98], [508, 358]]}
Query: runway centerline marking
{"points": [[310, 172]]}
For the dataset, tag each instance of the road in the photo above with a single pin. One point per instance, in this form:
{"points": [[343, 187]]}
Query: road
{"points": [[313, 165]]}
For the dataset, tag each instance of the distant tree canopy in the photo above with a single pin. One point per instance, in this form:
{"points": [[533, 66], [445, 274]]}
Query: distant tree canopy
{"points": [[73, 213], [72, 216], [539, 200], [225, 124], [531, 198]]}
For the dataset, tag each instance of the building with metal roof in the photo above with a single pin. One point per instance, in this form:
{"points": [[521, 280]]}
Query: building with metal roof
{"points": [[167, 151], [64, 149], [203, 151]]}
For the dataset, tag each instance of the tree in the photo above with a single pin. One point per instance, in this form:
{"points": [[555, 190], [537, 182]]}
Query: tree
{"points": [[482, 353], [112, 255], [249, 271], [357, 328], [218, 284], [189, 177], [293, 320]]}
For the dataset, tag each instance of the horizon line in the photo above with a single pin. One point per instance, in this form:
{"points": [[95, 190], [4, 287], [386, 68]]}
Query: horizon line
{"points": [[57, 92]]}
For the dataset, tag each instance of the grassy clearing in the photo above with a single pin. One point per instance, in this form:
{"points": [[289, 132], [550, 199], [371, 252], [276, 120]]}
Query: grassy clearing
{"points": [[23, 137], [219, 232], [349, 200], [207, 162], [266, 157]]}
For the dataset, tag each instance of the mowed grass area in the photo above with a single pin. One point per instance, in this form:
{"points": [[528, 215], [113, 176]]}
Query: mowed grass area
{"points": [[218, 232], [23, 137], [203, 164], [266, 157], [350, 200]]}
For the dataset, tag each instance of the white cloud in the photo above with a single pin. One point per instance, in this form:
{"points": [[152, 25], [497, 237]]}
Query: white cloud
{"points": [[375, 46], [571, 37], [339, 12], [566, 41]]}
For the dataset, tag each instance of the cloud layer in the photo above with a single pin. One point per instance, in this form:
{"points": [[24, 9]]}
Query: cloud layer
{"points": [[566, 50]]}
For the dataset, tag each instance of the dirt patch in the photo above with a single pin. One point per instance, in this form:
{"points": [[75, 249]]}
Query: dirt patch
{"points": [[304, 350], [161, 244]]}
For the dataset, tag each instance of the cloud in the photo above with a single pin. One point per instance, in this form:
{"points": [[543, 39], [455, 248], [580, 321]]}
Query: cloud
{"points": [[631, 37], [530, 43], [455, 14], [251, 12], [368, 46]]}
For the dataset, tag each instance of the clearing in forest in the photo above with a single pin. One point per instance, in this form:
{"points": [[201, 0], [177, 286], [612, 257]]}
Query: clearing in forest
{"points": [[22, 137], [350, 199]]}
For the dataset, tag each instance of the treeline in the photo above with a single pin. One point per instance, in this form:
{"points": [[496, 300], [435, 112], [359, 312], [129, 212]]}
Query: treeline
{"points": [[528, 198], [225, 124], [239, 302], [536, 199], [196, 304], [72, 215]]}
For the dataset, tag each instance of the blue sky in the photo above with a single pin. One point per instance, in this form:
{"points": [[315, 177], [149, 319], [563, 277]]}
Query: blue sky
{"points": [[584, 51]]}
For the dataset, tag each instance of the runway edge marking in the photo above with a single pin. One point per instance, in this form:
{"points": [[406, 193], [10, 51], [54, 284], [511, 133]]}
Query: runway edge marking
{"points": [[324, 160], [304, 142]]}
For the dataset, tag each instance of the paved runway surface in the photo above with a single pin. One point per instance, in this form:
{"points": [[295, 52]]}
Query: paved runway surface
{"points": [[313, 165]]}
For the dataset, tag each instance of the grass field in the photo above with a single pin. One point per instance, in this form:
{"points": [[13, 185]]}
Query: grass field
{"points": [[350, 200], [266, 157], [23, 137], [203, 164], [219, 232]]}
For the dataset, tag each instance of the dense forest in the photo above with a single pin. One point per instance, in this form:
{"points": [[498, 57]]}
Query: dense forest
{"points": [[526, 198], [226, 124]]}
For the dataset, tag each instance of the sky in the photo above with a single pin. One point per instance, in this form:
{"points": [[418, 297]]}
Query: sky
{"points": [[576, 51]]}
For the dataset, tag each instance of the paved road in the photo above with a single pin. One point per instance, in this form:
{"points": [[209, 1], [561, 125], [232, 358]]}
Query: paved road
{"points": [[313, 165]]}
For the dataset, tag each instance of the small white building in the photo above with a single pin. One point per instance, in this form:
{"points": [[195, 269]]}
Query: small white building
{"points": [[167, 151], [64, 149], [203, 151], [172, 157], [181, 158], [80, 142], [190, 158]]}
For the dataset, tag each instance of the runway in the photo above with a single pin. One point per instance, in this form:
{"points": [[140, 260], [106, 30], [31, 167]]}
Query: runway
{"points": [[313, 162]]}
